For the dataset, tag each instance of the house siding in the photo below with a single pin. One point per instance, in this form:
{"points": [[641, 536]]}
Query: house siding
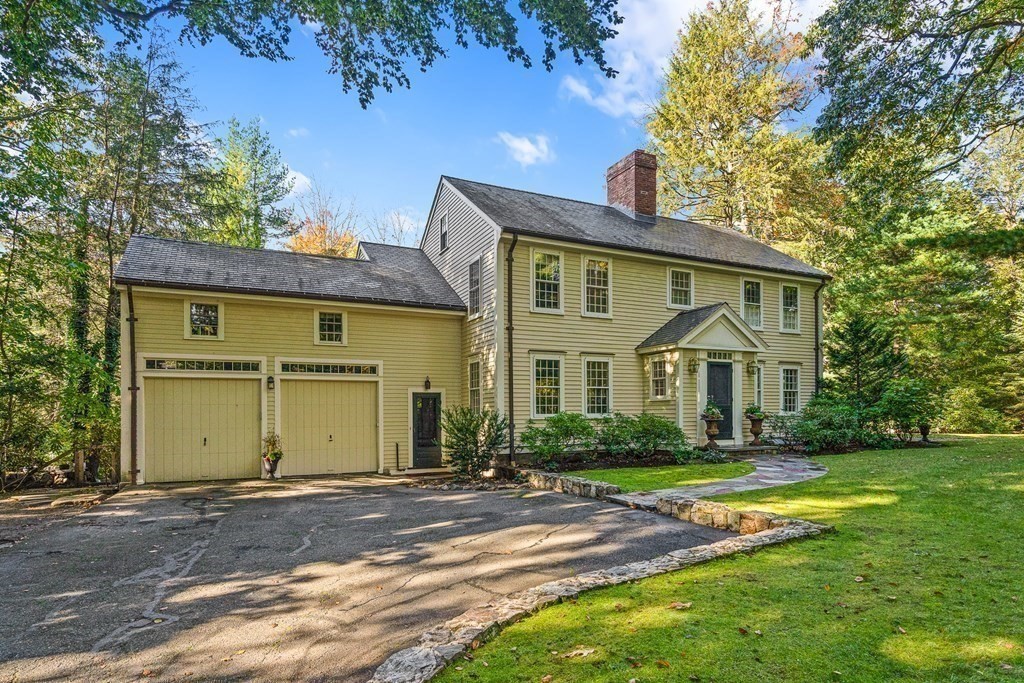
{"points": [[411, 345], [470, 237], [639, 306]]}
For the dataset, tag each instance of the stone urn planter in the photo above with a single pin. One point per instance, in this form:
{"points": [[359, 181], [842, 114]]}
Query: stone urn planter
{"points": [[270, 466], [925, 430], [711, 431], [756, 429]]}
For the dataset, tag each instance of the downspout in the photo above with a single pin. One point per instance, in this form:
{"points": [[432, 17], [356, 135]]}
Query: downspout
{"points": [[133, 388], [817, 336], [511, 365]]}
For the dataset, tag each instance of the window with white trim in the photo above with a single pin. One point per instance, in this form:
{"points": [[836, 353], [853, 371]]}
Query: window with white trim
{"points": [[789, 382], [759, 385], [680, 288], [547, 281], [298, 367], [474, 386], [330, 327], [597, 387], [597, 283], [659, 378], [751, 304], [474, 287], [204, 320], [790, 302], [194, 365], [547, 385], [444, 231]]}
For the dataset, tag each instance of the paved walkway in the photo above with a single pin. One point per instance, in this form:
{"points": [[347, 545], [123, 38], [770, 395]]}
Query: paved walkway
{"points": [[769, 471]]}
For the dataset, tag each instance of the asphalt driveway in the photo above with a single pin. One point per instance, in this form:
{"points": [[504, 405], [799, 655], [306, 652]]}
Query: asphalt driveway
{"points": [[303, 580]]}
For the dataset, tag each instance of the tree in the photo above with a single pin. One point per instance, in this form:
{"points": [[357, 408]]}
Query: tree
{"points": [[945, 76], [732, 84], [995, 172], [325, 226], [861, 360], [251, 182], [392, 227], [368, 44]]}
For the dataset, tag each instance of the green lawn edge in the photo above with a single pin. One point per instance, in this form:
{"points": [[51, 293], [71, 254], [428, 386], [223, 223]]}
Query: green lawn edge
{"points": [[632, 479]]}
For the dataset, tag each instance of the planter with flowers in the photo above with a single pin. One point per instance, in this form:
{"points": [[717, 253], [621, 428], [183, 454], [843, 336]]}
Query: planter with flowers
{"points": [[711, 415], [756, 416], [272, 454]]}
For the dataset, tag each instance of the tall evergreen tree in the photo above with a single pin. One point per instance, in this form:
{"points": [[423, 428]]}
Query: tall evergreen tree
{"points": [[861, 360]]}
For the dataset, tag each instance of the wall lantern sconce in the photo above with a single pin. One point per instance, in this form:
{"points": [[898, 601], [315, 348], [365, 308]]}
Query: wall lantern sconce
{"points": [[270, 382], [751, 367], [426, 383], [693, 366]]}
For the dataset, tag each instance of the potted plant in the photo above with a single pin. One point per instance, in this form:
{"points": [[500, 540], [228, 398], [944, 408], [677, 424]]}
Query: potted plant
{"points": [[756, 416], [711, 415], [272, 453]]}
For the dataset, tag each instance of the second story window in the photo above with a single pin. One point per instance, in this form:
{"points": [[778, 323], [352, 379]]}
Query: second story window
{"points": [[597, 287], [659, 378], [330, 327], [474, 386], [680, 288], [751, 304], [547, 282], [204, 320], [474, 287], [444, 231], [790, 315]]}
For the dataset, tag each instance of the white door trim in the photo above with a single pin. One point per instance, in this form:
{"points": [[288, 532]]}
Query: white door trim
{"points": [[440, 432]]}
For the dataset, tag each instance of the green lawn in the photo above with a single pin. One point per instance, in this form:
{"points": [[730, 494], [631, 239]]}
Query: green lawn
{"points": [[923, 581], [667, 476]]}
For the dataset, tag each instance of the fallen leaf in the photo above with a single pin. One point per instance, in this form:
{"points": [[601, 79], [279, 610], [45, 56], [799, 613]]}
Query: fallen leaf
{"points": [[859, 579], [240, 652], [681, 605], [546, 678], [891, 598], [619, 607], [902, 630], [148, 673], [758, 632], [743, 631], [579, 652], [662, 664], [828, 587]]}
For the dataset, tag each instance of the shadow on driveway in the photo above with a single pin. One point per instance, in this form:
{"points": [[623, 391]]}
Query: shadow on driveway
{"points": [[302, 580]]}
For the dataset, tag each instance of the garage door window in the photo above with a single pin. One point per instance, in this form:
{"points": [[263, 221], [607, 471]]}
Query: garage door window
{"points": [[202, 365], [328, 368], [204, 320]]}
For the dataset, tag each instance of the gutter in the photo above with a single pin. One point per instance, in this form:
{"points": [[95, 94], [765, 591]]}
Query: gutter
{"points": [[817, 336], [133, 388], [509, 329]]}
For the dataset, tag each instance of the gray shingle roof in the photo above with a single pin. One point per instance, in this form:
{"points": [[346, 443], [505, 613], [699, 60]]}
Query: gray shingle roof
{"points": [[680, 325], [540, 215], [389, 275]]}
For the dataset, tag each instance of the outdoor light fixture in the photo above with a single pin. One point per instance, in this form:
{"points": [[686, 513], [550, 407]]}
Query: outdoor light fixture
{"points": [[693, 366], [270, 382], [426, 383], [751, 367]]}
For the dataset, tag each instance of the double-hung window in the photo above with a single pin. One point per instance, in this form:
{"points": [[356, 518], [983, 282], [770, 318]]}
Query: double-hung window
{"points": [[790, 305], [547, 385], [680, 288], [203, 320], [474, 288], [547, 281], [330, 327], [751, 304], [597, 386], [659, 378], [597, 287], [474, 386], [444, 231], [789, 382]]}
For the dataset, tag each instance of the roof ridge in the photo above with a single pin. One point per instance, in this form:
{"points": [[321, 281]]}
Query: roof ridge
{"points": [[238, 247]]}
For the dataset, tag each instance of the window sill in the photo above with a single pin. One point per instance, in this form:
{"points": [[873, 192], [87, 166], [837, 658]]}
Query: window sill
{"points": [[679, 307], [603, 316], [547, 311], [789, 332]]}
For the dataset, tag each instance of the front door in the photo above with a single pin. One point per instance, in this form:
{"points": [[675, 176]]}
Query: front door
{"points": [[720, 391], [426, 430]]}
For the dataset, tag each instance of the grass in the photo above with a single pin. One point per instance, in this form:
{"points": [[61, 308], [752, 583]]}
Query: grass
{"points": [[923, 581], [667, 476]]}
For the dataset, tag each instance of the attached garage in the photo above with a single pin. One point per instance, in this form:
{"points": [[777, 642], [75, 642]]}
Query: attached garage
{"points": [[329, 423], [201, 428]]}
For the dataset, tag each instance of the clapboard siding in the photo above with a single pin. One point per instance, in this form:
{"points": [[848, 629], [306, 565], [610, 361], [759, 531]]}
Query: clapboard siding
{"points": [[411, 345], [469, 237]]}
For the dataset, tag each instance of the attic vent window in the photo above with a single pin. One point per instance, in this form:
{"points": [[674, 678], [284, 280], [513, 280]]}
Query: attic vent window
{"points": [[719, 355]]}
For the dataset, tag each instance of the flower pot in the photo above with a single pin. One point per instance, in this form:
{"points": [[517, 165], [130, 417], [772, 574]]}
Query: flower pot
{"points": [[270, 466], [925, 430], [711, 431], [756, 429]]}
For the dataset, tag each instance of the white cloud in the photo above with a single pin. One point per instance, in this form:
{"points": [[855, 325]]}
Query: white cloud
{"points": [[298, 132], [641, 51], [301, 182], [527, 149]]}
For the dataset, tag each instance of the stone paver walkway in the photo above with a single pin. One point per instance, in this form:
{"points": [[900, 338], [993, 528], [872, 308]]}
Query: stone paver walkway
{"points": [[769, 471]]}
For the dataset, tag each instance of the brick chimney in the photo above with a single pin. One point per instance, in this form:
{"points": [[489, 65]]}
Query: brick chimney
{"points": [[633, 185]]}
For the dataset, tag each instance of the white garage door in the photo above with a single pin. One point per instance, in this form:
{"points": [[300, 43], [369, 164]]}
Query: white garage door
{"points": [[328, 426], [201, 429]]}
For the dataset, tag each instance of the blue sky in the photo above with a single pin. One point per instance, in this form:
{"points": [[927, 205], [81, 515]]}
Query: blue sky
{"points": [[473, 115]]}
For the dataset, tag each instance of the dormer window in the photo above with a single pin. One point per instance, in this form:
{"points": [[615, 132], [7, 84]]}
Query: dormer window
{"points": [[444, 232]]}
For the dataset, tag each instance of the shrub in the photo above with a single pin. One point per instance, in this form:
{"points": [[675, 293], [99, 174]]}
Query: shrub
{"points": [[829, 423], [617, 434], [905, 404], [560, 433], [712, 456], [781, 429], [654, 433], [472, 438], [963, 411]]}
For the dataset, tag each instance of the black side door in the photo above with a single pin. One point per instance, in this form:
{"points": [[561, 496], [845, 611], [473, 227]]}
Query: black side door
{"points": [[720, 391], [426, 430]]}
